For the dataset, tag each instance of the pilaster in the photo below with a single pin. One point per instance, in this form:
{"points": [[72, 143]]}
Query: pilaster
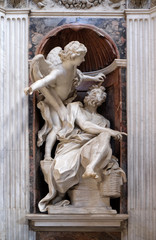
{"points": [[141, 117], [14, 168], [2, 71]]}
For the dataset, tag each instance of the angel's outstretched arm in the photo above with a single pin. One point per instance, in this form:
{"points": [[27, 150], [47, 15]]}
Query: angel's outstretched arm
{"points": [[98, 78], [49, 79]]}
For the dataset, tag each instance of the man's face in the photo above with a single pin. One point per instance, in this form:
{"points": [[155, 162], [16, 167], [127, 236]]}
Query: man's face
{"points": [[95, 97], [97, 94]]}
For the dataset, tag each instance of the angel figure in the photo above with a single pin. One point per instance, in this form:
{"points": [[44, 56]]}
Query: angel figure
{"points": [[56, 77]]}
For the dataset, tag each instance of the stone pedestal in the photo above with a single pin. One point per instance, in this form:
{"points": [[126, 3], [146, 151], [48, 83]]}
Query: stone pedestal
{"points": [[87, 194]]}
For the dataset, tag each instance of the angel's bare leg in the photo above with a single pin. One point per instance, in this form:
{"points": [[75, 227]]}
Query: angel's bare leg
{"points": [[50, 95], [55, 101], [50, 141]]}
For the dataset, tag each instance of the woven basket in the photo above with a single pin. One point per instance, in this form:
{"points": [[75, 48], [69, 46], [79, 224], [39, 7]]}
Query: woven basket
{"points": [[111, 186]]}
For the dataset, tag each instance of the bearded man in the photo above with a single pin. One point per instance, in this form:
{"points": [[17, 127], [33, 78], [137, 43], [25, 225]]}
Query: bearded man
{"points": [[84, 143]]}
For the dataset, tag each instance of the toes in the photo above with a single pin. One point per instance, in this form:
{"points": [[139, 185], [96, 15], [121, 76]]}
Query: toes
{"points": [[88, 174]]}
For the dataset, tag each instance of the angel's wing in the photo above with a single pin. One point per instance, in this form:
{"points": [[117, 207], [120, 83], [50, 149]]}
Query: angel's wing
{"points": [[53, 56], [41, 67]]}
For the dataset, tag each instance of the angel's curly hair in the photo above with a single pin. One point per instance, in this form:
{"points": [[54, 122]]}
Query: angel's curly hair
{"points": [[72, 50], [92, 98]]}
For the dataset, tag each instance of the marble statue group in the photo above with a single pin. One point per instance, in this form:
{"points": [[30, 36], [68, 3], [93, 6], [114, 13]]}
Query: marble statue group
{"points": [[83, 158]]}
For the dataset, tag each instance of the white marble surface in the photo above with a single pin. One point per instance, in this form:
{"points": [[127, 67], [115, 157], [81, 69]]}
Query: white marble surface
{"points": [[141, 89], [76, 221], [14, 148], [2, 203]]}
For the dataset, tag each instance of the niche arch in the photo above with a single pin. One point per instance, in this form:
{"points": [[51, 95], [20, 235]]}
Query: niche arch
{"points": [[102, 51]]}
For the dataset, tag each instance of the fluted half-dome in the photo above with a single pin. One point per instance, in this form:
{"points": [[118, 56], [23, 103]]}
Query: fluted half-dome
{"points": [[101, 50]]}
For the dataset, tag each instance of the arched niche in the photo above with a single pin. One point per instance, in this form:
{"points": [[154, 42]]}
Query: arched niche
{"points": [[101, 49], [101, 52]]}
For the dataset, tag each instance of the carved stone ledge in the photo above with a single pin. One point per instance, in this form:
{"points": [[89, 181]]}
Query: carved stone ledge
{"points": [[89, 13], [77, 222], [112, 67]]}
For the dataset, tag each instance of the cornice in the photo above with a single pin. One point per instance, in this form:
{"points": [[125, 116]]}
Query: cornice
{"points": [[14, 11], [105, 14], [2, 10], [114, 65], [140, 11], [78, 13], [77, 221], [18, 11], [153, 10]]}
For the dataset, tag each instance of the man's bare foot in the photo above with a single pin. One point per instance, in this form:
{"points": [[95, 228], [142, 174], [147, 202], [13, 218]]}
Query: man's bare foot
{"points": [[90, 173]]}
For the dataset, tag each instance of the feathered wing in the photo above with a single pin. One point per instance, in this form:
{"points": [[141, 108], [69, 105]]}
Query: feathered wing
{"points": [[53, 56], [41, 67]]}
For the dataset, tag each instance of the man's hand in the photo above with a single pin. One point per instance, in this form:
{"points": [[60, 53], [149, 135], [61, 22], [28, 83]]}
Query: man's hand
{"points": [[118, 135]]}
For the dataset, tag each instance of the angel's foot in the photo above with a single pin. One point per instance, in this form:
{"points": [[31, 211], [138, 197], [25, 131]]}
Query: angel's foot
{"points": [[90, 173]]}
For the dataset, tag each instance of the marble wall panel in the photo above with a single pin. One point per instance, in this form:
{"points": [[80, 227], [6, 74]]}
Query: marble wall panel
{"points": [[115, 27], [77, 236]]}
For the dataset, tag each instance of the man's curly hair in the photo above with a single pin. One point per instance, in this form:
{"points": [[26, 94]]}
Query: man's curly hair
{"points": [[92, 98]]}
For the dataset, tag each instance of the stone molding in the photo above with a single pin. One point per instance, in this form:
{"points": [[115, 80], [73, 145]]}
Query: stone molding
{"points": [[112, 67], [15, 11], [2, 10], [53, 13], [76, 222], [105, 14]]}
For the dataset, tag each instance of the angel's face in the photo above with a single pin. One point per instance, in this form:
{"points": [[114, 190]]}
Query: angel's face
{"points": [[78, 60]]}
